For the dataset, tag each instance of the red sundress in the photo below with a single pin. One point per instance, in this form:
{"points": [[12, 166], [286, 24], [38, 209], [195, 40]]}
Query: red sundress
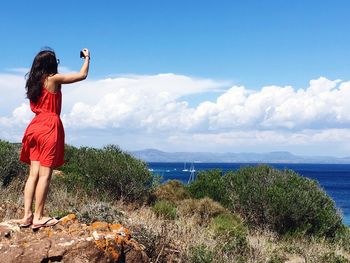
{"points": [[43, 139]]}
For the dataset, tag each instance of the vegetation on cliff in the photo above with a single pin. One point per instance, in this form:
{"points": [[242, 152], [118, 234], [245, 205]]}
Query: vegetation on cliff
{"points": [[255, 214], [280, 200], [10, 167], [106, 172]]}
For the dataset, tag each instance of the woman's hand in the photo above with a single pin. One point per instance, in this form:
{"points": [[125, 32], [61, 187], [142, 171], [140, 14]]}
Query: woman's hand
{"points": [[86, 53], [74, 77]]}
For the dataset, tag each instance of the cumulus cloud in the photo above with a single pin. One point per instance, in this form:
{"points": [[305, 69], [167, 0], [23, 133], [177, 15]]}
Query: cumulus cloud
{"points": [[12, 92], [322, 105], [154, 103], [155, 108], [134, 102]]}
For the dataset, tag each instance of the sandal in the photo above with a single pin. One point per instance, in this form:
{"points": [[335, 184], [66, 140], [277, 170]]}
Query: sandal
{"points": [[47, 223], [24, 225]]}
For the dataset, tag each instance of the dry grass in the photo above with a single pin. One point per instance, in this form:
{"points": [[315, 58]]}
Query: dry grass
{"points": [[200, 210], [11, 200], [176, 236], [175, 240], [266, 245]]}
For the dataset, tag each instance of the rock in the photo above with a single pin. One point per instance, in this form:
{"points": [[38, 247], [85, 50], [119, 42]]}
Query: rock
{"points": [[57, 173], [69, 241]]}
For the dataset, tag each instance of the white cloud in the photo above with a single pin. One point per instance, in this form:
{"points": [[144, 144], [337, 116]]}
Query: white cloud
{"points": [[12, 92], [154, 103], [22, 71], [154, 107], [322, 105], [134, 102]]}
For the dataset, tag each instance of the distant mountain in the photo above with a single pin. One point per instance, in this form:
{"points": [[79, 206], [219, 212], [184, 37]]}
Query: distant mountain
{"points": [[154, 155]]}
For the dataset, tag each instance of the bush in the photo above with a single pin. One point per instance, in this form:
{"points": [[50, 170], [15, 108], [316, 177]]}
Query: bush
{"points": [[107, 172], [343, 238], [172, 191], [10, 166], [57, 213], [228, 223], [276, 258], [209, 184], [201, 254], [164, 209], [333, 258], [231, 233], [204, 209], [150, 239], [99, 211], [283, 201]]}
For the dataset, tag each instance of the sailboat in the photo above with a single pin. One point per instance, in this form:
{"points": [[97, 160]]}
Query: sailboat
{"points": [[192, 175], [192, 168], [185, 169]]}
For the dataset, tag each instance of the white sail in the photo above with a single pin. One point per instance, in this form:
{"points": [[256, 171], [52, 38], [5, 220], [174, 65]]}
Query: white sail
{"points": [[185, 169]]}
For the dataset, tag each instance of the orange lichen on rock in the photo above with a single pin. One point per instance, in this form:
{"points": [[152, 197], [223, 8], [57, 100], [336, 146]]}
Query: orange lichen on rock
{"points": [[114, 249], [120, 230], [110, 243], [111, 238], [66, 240], [116, 227], [74, 228], [49, 232], [101, 226], [101, 244], [70, 218]]}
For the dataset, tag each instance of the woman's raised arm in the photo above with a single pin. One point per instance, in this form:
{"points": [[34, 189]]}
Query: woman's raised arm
{"points": [[74, 77]]}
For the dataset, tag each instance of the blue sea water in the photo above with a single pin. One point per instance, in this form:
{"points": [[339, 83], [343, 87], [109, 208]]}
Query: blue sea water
{"points": [[333, 178]]}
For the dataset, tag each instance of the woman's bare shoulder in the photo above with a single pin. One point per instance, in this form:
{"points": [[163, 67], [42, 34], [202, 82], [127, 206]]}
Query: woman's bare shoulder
{"points": [[51, 84]]}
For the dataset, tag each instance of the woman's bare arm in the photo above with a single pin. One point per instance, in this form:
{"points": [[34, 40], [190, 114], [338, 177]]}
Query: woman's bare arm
{"points": [[74, 77]]}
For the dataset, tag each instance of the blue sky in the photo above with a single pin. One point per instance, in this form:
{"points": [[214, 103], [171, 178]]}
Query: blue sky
{"points": [[253, 43], [206, 47]]}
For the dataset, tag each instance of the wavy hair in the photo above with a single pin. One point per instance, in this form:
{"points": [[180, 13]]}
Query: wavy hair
{"points": [[44, 64]]}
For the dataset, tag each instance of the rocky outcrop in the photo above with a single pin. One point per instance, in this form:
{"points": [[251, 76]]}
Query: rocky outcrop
{"points": [[69, 241]]}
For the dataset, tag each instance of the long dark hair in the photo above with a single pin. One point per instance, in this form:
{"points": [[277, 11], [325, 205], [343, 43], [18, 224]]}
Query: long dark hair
{"points": [[44, 64]]}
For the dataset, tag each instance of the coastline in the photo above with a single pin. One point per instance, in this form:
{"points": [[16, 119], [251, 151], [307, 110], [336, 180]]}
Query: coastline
{"points": [[333, 178]]}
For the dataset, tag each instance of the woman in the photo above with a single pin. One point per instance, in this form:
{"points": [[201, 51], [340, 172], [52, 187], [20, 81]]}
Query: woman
{"points": [[43, 141]]}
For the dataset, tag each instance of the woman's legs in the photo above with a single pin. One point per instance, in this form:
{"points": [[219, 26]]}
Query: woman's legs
{"points": [[41, 191], [37, 184], [29, 191]]}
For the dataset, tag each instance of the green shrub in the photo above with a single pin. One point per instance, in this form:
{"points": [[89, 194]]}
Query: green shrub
{"points": [[164, 209], [230, 233], [276, 258], [171, 191], [343, 238], [59, 213], [283, 201], [228, 223], [10, 166], [201, 254], [209, 184], [332, 257], [99, 211], [107, 172], [203, 209], [150, 238]]}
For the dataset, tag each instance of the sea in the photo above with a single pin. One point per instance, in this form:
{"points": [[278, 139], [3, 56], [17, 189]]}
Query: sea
{"points": [[333, 178]]}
